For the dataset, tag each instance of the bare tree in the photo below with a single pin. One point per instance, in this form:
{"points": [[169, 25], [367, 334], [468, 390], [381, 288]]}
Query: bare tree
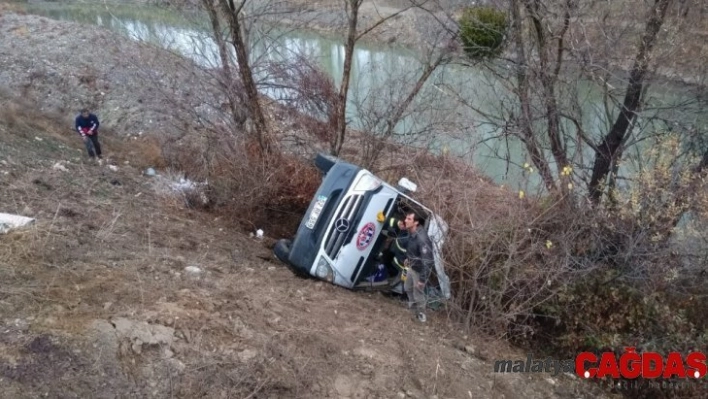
{"points": [[231, 87], [399, 109], [610, 147], [354, 34], [555, 48], [234, 13], [528, 136]]}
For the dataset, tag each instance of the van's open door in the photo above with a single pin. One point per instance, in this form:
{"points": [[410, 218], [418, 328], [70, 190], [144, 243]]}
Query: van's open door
{"points": [[437, 230]]}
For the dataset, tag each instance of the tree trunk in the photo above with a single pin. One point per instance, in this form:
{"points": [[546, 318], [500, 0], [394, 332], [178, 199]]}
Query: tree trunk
{"points": [[244, 68], [227, 79], [548, 80], [340, 110], [610, 145], [527, 134]]}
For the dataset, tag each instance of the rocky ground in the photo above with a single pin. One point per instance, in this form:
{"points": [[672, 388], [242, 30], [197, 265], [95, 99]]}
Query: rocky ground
{"points": [[63, 68], [117, 290]]}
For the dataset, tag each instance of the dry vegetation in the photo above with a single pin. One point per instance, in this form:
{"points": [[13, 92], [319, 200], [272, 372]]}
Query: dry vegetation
{"points": [[553, 275]]}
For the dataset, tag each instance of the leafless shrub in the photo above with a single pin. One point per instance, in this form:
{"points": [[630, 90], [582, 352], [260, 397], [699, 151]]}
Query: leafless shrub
{"points": [[527, 267], [503, 256], [271, 193], [308, 91]]}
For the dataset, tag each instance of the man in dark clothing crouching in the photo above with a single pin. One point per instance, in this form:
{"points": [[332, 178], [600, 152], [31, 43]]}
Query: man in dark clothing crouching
{"points": [[87, 126]]}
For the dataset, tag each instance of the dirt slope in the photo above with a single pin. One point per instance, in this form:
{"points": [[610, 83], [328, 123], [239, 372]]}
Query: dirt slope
{"points": [[98, 299]]}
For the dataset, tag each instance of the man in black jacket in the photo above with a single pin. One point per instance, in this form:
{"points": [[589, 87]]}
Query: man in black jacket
{"points": [[87, 125], [419, 262], [395, 252]]}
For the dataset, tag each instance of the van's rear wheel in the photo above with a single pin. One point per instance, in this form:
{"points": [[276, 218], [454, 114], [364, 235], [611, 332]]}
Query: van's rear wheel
{"points": [[282, 252], [324, 162]]}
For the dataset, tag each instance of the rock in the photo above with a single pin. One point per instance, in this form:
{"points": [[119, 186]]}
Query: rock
{"points": [[192, 270], [59, 166], [246, 355], [343, 386], [137, 346], [176, 364], [401, 395], [22, 325], [141, 333], [150, 172]]}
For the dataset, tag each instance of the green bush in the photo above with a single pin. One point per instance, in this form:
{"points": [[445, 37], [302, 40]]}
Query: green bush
{"points": [[483, 31]]}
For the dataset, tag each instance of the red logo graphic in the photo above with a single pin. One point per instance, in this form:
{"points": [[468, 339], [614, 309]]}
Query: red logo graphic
{"points": [[366, 234], [646, 365]]}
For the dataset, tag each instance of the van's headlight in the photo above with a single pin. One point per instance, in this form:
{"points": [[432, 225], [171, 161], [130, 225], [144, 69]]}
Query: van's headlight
{"points": [[324, 270], [367, 183]]}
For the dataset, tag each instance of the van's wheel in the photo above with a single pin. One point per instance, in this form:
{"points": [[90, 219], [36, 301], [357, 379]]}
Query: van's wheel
{"points": [[324, 162], [282, 252]]}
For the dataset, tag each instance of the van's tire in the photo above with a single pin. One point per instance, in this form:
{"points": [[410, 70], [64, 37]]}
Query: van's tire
{"points": [[282, 252], [324, 162]]}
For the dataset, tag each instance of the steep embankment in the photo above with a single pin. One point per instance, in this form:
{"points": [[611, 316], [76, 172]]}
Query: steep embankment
{"points": [[64, 67], [118, 291]]}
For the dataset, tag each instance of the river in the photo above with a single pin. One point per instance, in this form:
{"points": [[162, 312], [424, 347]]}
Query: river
{"points": [[380, 73]]}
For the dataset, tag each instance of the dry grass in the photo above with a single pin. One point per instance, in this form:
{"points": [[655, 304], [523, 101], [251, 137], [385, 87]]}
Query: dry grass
{"points": [[86, 220], [11, 7]]}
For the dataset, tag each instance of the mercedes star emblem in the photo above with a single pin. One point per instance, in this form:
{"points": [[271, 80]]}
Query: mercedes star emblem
{"points": [[342, 225]]}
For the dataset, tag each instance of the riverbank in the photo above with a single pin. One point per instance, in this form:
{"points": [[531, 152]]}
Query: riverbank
{"points": [[421, 29]]}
